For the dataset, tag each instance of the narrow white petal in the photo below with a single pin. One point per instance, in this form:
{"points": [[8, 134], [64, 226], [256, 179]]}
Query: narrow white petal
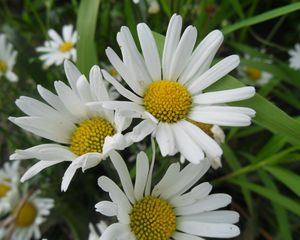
{"points": [[150, 51], [171, 42], [210, 203], [142, 130], [186, 145], [124, 175], [142, 169], [123, 91], [118, 231], [55, 36], [165, 139], [98, 89], [183, 52], [213, 74], [202, 56], [67, 33], [83, 88], [218, 230], [225, 96], [72, 73], [107, 208], [37, 168]]}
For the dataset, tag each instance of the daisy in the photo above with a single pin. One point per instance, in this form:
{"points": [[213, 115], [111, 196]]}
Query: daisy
{"points": [[83, 135], [58, 48], [168, 211], [95, 232], [7, 59], [294, 61], [9, 179], [256, 75], [29, 215], [169, 94]]}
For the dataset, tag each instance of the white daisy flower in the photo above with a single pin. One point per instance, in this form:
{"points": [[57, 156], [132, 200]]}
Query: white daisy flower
{"points": [[85, 135], [29, 216], [96, 232], [58, 48], [7, 59], [294, 61], [256, 75], [169, 94], [9, 179], [169, 211]]}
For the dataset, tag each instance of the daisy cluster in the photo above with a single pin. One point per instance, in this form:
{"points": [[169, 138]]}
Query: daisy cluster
{"points": [[167, 101], [22, 211]]}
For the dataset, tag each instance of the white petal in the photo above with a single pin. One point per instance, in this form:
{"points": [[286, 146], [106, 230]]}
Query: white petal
{"points": [[142, 169], [142, 130], [36, 168], [186, 145], [171, 42], [11, 76], [117, 231], [98, 89], [213, 74], [124, 175], [165, 139], [107, 208], [211, 202], [218, 230], [225, 96], [202, 56], [67, 33], [83, 88], [183, 52], [54, 35], [150, 51]]}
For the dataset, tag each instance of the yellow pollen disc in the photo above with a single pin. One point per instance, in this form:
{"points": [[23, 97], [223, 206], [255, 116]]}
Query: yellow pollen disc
{"points": [[204, 127], [152, 218], [3, 66], [253, 73], [65, 47], [168, 101], [89, 136], [114, 72], [26, 216], [4, 189]]}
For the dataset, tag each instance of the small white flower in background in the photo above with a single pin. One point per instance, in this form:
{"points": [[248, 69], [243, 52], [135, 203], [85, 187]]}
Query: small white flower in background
{"points": [[84, 134], [169, 94], [9, 180], [7, 59], [257, 76], [29, 215], [58, 48], [153, 6], [168, 211], [96, 232], [294, 61]]}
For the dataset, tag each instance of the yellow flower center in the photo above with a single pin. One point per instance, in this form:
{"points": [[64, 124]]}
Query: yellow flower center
{"points": [[4, 189], [152, 218], [114, 72], [168, 101], [26, 215], [204, 127], [3, 66], [89, 136], [65, 47], [253, 73]]}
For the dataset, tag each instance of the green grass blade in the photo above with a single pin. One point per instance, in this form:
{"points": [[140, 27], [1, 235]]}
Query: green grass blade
{"points": [[283, 201], [262, 17], [86, 27], [288, 178]]}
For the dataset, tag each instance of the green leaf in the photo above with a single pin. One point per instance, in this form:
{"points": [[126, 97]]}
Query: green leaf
{"points": [[288, 178], [267, 114], [86, 27], [262, 17], [273, 196]]}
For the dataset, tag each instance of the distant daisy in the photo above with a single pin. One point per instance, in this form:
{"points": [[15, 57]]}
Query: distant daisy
{"points": [[29, 216], [170, 96], [58, 48], [169, 211], [257, 76], [85, 134], [95, 232], [9, 179], [295, 57], [7, 59]]}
